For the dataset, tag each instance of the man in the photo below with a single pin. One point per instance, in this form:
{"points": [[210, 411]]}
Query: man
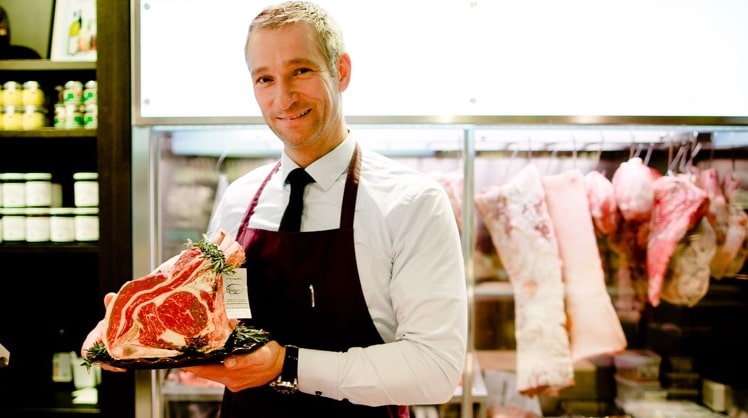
{"points": [[366, 302]]}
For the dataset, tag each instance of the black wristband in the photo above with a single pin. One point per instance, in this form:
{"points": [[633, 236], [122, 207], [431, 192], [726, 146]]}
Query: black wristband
{"points": [[287, 382]]}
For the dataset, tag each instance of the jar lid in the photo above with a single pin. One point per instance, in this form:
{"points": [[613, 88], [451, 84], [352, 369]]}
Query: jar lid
{"points": [[12, 211], [85, 176], [13, 176], [13, 109], [37, 211], [61, 211], [38, 176], [31, 84], [34, 109], [86, 211]]}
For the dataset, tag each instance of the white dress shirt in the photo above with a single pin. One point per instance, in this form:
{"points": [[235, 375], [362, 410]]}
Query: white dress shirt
{"points": [[411, 268]]}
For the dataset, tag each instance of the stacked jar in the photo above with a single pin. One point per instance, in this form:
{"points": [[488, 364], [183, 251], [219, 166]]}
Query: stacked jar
{"points": [[13, 209], [72, 106], [91, 105], [23, 106], [12, 106], [86, 197], [78, 106], [27, 199]]}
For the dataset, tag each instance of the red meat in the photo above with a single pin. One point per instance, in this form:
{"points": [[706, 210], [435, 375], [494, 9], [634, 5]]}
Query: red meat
{"points": [[177, 308]]}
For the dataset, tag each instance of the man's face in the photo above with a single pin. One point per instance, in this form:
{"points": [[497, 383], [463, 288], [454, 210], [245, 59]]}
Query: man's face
{"points": [[299, 98]]}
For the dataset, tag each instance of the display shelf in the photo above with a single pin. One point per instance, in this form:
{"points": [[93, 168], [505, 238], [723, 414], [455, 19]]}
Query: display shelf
{"points": [[21, 247], [50, 412], [46, 65], [50, 132]]}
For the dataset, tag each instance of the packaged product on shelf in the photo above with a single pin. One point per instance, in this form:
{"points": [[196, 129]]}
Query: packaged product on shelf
{"points": [[86, 224], [62, 224], [14, 189], [12, 93], [37, 224], [73, 92], [14, 224], [73, 115], [86, 189], [60, 117], [91, 117], [32, 94], [13, 118], [90, 92], [38, 189], [33, 117]]}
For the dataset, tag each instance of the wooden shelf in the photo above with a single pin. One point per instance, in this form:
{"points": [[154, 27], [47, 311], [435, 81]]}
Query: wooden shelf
{"points": [[45, 65], [22, 247], [50, 132]]}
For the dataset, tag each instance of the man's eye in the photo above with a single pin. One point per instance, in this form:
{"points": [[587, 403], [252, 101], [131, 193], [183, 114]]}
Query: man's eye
{"points": [[262, 80], [303, 70]]}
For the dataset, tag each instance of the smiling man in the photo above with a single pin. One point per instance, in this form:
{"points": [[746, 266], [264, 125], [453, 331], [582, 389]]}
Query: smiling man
{"points": [[366, 299]]}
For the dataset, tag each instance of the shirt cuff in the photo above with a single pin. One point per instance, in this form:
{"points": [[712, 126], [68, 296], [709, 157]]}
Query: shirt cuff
{"points": [[318, 372]]}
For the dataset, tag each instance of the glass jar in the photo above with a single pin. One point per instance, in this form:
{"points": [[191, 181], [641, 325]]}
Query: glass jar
{"points": [[60, 118], [62, 224], [86, 189], [37, 224], [91, 117], [14, 190], [14, 224], [33, 117], [86, 224], [73, 92], [73, 115], [32, 94], [90, 92], [13, 118], [12, 93], [38, 189]]}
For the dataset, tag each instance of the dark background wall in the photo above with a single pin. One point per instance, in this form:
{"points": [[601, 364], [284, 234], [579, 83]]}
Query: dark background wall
{"points": [[25, 17]]}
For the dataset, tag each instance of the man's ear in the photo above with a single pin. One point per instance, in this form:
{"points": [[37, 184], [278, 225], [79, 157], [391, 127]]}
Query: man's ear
{"points": [[344, 71]]}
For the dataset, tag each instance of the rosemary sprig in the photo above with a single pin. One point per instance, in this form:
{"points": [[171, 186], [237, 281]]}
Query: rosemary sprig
{"points": [[96, 352], [212, 252], [245, 335]]}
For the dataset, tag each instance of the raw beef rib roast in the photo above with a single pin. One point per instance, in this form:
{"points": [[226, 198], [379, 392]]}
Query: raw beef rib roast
{"points": [[178, 308]]}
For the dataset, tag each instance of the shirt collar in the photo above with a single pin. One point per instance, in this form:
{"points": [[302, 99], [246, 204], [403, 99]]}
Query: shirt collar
{"points": [[326, 169]]}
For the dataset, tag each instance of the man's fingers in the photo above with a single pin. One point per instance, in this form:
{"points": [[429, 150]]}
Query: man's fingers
{"points": [[108, 299]]}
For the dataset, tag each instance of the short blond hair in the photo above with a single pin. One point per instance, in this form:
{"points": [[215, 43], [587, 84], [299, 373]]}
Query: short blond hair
{"points": [[329, 35]]}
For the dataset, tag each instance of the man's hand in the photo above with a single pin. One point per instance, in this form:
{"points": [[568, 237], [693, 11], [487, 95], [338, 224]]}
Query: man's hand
{"points": [[96, 335], [245, 371]]}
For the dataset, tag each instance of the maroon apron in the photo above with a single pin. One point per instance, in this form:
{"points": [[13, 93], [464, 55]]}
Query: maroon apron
{"points": [[304, 289]]}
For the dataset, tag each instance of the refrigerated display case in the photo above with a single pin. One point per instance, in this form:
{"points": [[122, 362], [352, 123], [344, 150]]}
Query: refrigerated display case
{"points": [[180, 171]]}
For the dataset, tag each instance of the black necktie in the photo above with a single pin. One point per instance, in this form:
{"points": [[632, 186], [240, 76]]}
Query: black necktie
{"points": [[298, 178]]}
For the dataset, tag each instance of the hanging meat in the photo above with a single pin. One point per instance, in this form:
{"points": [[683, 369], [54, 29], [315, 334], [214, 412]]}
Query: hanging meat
{"points": [[452, 183], [730, 187], [687, 278], [679, 206], [517, 218], [594, 327], [633, 188], [728, 231], [603, 207]]}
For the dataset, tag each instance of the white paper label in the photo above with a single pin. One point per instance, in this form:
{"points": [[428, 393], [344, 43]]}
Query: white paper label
{"points": [[236, 295]]}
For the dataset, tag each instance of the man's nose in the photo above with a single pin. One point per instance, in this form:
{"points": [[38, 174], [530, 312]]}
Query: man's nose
{"points": [[286, 94]]}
